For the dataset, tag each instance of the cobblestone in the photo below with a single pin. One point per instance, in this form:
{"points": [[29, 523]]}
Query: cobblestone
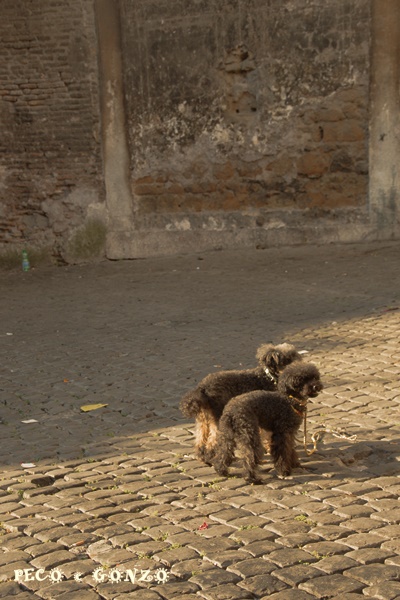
{"points": [[384, 591], [293, 594], [119, 487], [371, 555], [12, 557], [258, 549], [330, 585], [226, 592], [297, 574], [337, 564], [289, 556], [250, 568], [372, 574], [52, 559]]}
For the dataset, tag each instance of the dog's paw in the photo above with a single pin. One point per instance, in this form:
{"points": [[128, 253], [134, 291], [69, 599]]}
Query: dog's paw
{"points": [[221, 471], [284, 473], [254, 480]]}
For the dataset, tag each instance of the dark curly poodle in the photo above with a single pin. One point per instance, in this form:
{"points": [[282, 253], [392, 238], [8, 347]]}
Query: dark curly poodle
{"points": [[207, 401], [280, 413]]}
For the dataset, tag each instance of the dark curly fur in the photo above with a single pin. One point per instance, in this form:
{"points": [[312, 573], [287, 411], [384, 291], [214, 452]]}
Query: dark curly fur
{"points": [[280, 413], [207, 401]]}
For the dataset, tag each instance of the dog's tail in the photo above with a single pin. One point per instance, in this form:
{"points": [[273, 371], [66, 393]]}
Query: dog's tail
{"points": [[193, 403]]}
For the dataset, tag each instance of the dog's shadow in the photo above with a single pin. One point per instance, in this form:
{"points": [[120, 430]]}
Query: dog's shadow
{"points": [[336, 458], [375, 458]]}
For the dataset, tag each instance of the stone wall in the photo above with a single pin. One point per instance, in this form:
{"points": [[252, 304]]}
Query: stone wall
{"points": [[246, 123], [242, 108], [50, 159]]}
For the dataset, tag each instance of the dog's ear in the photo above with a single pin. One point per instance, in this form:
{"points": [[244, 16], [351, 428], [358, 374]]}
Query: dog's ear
{"points": [[287, 354], [265, 355], [276, 357], [275, 360], [290, 381]]}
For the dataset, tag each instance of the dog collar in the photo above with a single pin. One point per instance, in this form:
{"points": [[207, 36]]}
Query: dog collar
{"points": [[301, 406], [269, 375]]}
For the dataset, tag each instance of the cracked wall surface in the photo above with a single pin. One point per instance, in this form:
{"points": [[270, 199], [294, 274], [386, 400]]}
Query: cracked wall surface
{"points": [[247, 105], [229, 123]]}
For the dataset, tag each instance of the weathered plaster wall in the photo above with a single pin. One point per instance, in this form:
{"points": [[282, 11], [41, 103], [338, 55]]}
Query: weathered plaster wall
{"points": [[51, 186], [178, 125], [239, 108]]}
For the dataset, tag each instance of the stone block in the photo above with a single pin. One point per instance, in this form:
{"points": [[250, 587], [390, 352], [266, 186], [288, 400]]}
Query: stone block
{"points": [[214, 577], [263, 585], [350, 130], [313, 164], [374, 573], [330, 586]]}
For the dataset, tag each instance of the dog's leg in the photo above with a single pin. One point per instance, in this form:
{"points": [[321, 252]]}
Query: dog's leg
{"points": [[210, 446], [282, 452], [252, 449], [295, 460], [224, 453], [266, 440], [202, 434]]}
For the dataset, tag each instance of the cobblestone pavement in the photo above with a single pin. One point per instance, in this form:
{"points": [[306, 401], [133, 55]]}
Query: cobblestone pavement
{"points": [[114, 504]]}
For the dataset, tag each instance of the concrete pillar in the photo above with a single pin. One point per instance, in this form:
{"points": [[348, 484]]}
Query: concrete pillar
{"points": [[113, 127], [384, 150]]}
